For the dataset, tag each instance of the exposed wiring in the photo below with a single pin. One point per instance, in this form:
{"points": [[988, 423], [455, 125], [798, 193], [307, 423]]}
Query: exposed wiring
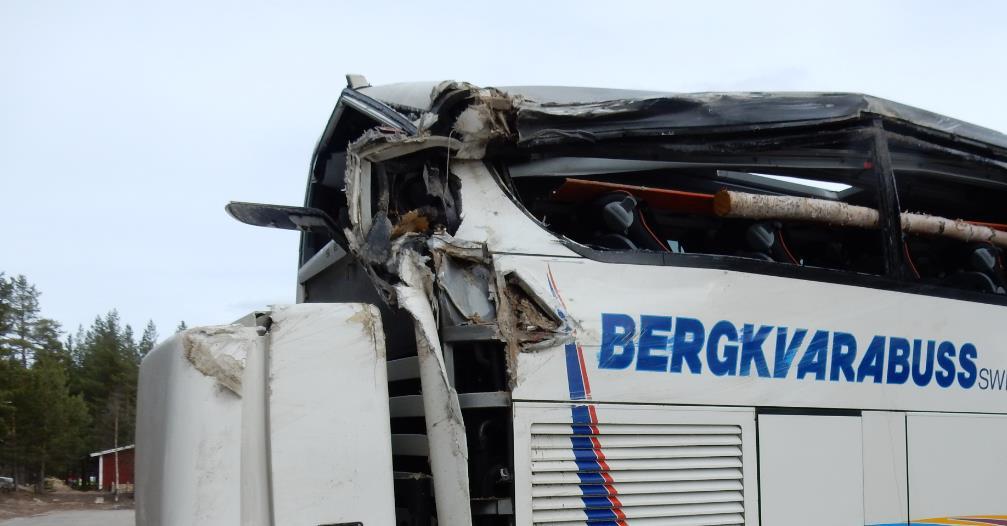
{"points": [[786, 249], [909, 258], [643, 221]]}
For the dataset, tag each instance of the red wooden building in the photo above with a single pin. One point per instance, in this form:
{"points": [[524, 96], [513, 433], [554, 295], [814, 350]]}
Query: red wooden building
{"points": [[106, 468]]}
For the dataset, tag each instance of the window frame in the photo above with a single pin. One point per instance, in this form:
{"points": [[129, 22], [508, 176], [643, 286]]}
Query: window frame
{"points": [[897, 276]]}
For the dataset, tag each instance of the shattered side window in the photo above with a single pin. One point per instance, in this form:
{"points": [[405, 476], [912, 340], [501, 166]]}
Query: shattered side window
{"points": [[669, 198]]}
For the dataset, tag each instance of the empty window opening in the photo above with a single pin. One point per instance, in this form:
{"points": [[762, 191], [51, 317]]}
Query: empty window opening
{"points": [[943, 187], [668, 206]]}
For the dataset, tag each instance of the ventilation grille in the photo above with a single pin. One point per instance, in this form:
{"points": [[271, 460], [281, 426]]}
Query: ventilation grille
{"points": [[636, 474]]}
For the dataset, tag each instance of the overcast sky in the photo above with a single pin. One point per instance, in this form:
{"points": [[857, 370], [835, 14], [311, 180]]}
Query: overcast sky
{"points": [[125, 127]]}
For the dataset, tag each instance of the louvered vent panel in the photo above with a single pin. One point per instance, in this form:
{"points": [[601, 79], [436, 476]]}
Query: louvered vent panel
{"points": [[637, 474]]}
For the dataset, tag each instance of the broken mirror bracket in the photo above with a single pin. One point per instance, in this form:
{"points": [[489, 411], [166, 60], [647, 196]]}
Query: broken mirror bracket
{"points": [[299, 218]]}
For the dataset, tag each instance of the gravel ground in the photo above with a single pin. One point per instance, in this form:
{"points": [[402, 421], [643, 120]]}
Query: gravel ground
{"points": [[76, 518], [28, 504]]}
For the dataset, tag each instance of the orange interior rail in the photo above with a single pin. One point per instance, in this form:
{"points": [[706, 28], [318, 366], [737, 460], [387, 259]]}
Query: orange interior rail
{"points": [[578, 190], [994, 226]]}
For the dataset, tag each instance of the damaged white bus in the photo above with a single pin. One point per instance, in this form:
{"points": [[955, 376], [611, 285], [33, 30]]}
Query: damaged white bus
{"points": [[568, 306]]}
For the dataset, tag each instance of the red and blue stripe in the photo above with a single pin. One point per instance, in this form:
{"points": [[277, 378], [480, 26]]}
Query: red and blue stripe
{"points": [[597, 488], [601, 501]]}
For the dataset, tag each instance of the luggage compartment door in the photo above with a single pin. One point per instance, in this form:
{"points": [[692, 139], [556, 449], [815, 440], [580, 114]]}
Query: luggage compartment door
{"points": [[957, 464], [811, 469]]}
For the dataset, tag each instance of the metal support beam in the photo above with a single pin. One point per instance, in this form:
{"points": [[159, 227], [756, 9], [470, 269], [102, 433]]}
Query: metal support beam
{"points": [[470, 333], [406, 368], [888, 205], [412, 405]]}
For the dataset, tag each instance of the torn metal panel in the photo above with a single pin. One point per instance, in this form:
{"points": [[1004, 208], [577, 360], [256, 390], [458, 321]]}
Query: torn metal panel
{"points": [[358, 193], [220, 352], [371, 234], [467, 289], [377, 145], [528, 321], [370, 319], [549, 114], [442, 411], [376, 247], [446, 86], [395, 211], [541, 124], [459, 248], [425, 122], [491, 217], [391, 149], [485, 120], [384, 143], [533, 317], [438, 185]]}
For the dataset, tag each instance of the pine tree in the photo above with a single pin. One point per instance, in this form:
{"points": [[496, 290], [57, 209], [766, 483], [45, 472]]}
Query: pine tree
{"points": [[6, 353], [181, 326], [129, 343], [52, 422], [74, 348], [23, 332], [6, 305], [23, 318], [107, 379], [148, 339], [45, 341], [56, 390]]}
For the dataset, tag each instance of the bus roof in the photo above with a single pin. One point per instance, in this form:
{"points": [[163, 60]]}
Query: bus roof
{"points": [[634, 109]]}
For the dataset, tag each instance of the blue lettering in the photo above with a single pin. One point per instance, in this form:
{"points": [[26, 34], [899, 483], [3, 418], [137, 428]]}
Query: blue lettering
{"points": [[729, 363], [650, 342], [898, 360], [946, 376], [616, 331], [842, 361], [966, 358], [815, 357], [785, 352], [751, 349], [688, 342], [922, 377], [873, 362], [676, 344]]}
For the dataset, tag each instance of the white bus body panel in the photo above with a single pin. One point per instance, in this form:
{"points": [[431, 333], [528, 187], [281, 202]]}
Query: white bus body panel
{"points": [[886, 492], [885, 466], [188, 436], [587, 290], [291, 427], [957, 465], [811, 470]]}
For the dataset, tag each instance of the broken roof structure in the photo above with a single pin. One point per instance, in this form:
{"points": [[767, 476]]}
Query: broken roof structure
{"points": [[545, 111]]}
